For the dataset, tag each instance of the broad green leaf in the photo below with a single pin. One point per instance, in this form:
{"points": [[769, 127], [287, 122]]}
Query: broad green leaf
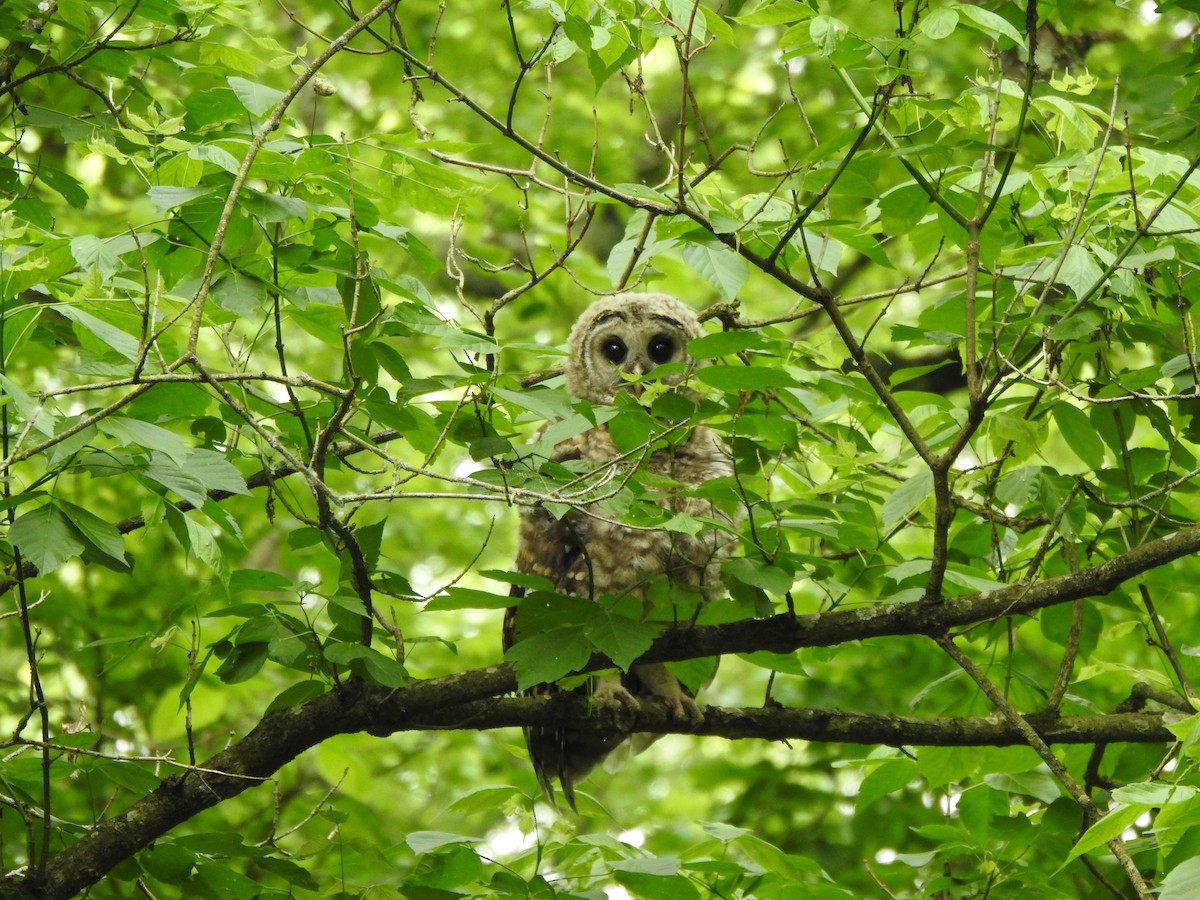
{"points": [[257, 98], [1080, 272], [1154, 794], [198, 541], [428, 841], [723, 343], [1019, 486], [827, 33], [41, 265], [1079, 433], [295, 695], [99, 533], [546, 657], [719, 266], [67, 186], [1182, 882], [991, 24], [368, 663], [40, 416], [774, 579], [619, 638], [745, 378], [779, 12], [1073, 127], [166, 198], [658, 887], [546, 403], [890, 776], [650, 865], [243, 663], [468, 598], [902, 208], [127, 345], [1116, 821], [93, 253], [939, 23], [45, 537], [906, 498], [136, 433]]}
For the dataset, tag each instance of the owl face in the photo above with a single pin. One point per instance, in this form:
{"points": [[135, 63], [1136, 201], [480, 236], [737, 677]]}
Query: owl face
{"points": [[629, 334]]}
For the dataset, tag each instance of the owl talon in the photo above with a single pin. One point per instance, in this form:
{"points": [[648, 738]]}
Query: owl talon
{"points": [[612, 691], [684, 708]]}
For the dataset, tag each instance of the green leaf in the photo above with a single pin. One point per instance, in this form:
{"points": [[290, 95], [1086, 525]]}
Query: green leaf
{"points": [[745, 378], [468, 598], [827, 33], [890, 776], [991, 24], [45, 537], [621, 639], [243, 663], [368, 663], [116, 338], [1080, 271], [778, 13], [40, 416], [198, 540], [100, 534], [1081, 324], [257, 98], [939, 23], [167, 198], [756, 572], [1154, 793], [719, 266], [1182, 882], [136, 433], [93, 253], [65, 185], [428, 841], [1108, 828], [723, 343], [902, 208], [1079, 434], [906, 498], [546, 657], [657, 887]]}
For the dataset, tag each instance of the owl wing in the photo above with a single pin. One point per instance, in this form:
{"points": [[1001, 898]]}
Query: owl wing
{"points": [[553, 548]]}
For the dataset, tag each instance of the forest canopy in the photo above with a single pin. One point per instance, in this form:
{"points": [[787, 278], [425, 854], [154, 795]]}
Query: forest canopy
{"points": [[285, 291]]}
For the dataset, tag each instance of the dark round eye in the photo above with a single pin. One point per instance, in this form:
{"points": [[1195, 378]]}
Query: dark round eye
{"points": [[614, 350], [661, 348]]}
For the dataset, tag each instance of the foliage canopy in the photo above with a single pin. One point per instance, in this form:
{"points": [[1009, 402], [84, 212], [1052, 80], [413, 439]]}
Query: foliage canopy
{"points": [[281, 289]]}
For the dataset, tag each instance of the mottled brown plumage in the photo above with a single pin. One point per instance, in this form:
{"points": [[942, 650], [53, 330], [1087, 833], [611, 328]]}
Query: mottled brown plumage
{"points": [[589, 555]]}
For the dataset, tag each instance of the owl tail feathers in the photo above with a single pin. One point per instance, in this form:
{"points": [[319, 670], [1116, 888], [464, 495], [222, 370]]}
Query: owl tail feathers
{"points": [[566, 756]]}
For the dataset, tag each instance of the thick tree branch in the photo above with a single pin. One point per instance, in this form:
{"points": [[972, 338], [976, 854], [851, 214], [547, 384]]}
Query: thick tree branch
{"points": [[786, 633], [779, 723]]}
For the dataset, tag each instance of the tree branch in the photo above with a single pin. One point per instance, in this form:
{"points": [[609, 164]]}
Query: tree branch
{"points": [[453, 702]]}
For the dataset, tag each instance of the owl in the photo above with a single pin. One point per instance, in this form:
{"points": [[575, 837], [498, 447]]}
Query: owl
{"points": [[590, 555]]}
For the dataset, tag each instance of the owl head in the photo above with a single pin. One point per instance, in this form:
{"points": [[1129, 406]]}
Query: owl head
{"points": [[627, 334]]}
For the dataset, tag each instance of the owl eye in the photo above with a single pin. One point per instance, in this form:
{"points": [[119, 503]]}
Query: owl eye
{"points": [[661, 348], [614, 350]]}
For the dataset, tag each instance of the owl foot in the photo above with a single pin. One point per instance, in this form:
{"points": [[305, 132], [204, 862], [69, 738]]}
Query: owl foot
{"points": [[610, 690], [683, 707]]}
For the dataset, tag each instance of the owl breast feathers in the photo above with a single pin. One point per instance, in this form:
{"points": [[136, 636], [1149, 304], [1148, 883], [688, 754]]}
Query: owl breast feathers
{"points": [[587, 554]]}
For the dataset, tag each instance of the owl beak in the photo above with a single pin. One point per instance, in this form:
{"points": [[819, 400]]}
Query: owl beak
{"points": [[636, 387]]}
